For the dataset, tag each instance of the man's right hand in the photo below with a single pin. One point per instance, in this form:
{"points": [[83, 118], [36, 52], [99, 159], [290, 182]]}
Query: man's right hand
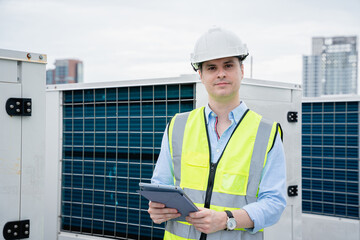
{"points": [[159, 213]]}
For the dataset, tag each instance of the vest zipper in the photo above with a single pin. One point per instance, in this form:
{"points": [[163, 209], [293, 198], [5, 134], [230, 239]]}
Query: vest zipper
{"points": [[213, 167], [210, 184], [209, 190]]}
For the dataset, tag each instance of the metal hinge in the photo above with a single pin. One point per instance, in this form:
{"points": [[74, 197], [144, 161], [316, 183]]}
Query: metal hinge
{"points": [[17, 230], [293, 191], [18, 106], [292, 116]]}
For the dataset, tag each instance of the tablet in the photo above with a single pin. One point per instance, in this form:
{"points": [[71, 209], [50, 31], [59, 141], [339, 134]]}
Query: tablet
{"points": [[171, 196]]}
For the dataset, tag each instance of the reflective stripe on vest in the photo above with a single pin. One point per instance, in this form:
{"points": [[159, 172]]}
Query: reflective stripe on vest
{"points": [[179, 122], [189, 148]]}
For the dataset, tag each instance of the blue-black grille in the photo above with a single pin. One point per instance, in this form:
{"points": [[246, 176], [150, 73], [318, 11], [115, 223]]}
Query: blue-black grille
{"points": [[111, 141], [330, 158]]}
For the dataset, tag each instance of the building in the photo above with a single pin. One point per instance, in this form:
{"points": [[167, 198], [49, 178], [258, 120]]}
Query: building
{"points": [[330, 167], [332, 68], [66, 71], [104, 138]]}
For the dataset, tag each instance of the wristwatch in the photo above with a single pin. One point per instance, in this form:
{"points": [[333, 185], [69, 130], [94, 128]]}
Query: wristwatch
{"points": [[231, 222]]}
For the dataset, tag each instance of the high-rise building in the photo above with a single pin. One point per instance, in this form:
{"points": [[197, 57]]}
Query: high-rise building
{"points": [[332, 67], [66, 71]]}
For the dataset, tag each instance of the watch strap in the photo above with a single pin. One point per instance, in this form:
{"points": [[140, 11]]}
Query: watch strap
{"points": [[229, 214]]}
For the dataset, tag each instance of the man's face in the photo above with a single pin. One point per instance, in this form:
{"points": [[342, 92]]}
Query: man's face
{"points": [[222, 78]]}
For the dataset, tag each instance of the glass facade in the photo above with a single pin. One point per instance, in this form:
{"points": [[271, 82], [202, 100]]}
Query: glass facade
{"points": [[111, 141], [330, 158], [332, 67], [311, 76], [61, 71]]}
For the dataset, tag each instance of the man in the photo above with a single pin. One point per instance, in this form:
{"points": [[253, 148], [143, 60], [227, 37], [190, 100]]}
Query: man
{"points": [[228, 159]]}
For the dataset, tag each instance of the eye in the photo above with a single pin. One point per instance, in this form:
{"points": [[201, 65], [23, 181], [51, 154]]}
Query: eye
{"points": [[228, 65], [211, 68]]}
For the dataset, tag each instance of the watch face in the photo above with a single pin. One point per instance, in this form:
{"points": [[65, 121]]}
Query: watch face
{"points": [[231, 224]]}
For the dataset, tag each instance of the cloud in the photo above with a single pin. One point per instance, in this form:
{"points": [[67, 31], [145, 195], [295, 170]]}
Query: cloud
{"points": [[135, 39]]}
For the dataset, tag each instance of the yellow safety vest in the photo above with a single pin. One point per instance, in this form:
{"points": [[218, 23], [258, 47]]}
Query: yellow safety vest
{"points": [[229, 184]]}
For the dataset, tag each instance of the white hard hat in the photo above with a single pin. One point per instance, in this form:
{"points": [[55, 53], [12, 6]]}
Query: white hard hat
{"points": [[217, 43]]}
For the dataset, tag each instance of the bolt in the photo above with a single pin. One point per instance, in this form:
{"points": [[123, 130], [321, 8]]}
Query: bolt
{"points": [[18, 103], [12, 106], [40, 57], [9, 230], [17, 110], [28, 55], [28, 103]]}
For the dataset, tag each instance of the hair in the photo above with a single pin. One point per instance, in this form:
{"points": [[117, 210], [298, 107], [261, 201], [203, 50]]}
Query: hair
{"points": [[240, 58]]}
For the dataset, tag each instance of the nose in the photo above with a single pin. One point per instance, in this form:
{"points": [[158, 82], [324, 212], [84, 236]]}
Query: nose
{"points": [[221, 73]]}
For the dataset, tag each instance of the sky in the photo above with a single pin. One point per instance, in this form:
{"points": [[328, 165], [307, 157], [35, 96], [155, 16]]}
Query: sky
{"points": [[124, 40]]}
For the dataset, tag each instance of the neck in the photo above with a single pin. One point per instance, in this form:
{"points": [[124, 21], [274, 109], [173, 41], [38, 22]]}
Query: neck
{"points": [[222, 109]]}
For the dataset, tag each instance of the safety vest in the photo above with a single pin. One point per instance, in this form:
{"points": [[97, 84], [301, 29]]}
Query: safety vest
{"points": [[229, 184]]}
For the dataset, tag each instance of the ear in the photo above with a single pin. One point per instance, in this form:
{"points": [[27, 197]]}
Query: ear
{"points": [[200, 74]]}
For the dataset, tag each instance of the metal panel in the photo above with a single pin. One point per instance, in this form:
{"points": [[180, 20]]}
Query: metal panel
{"points": [[71, 236], [52, 166], [183, 79], [22, 56], [330, 228], [33, 148], [22, 141], [264, 94], [10, 155], [8, 71], [274, 102]]}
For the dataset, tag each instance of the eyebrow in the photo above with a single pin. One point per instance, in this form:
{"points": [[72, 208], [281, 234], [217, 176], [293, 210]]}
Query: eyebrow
{"points": [[230, 61], [212, 64]]}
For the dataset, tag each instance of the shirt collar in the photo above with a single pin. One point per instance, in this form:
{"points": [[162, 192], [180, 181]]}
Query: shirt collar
{"points": [[236, 114]]}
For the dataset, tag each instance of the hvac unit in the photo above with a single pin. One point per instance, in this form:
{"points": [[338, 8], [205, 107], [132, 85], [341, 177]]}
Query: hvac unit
{"points": [[104, 138]]}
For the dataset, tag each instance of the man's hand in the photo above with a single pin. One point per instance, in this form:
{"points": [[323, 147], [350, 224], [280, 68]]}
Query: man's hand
{"points": [[159, 214], [207, 220]]}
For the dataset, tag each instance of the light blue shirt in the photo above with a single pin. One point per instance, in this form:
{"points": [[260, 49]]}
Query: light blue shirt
{"points": [[272, 190]]}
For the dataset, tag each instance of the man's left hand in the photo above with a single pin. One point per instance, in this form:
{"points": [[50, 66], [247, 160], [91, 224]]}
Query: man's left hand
{"points": [[207, 220]]}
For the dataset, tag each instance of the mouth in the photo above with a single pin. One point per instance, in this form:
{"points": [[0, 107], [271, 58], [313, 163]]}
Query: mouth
{"points": [[221, 83]]}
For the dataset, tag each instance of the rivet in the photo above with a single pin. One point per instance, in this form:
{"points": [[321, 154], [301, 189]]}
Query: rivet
{"points": [[18, 103], [16, 226], [15, 234], [26, 232], [28, 103], [40, 57], [9, 230], [27, 225], [11, 106], [17, 110], [28, 110], [28, 55]]}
